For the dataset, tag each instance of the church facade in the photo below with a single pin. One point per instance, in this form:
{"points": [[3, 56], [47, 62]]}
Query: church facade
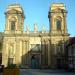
{"points": [[34, 49]]}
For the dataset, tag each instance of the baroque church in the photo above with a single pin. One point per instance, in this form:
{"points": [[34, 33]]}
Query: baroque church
{"points": [[34, 49]]}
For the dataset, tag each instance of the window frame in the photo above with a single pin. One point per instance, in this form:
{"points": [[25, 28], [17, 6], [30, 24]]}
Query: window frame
{"points": [[58, 24], [13, 25]]}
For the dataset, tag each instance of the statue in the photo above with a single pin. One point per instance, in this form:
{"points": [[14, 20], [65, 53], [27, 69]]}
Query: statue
{"points": [[27, 29], [43, 29], [35, 28]]}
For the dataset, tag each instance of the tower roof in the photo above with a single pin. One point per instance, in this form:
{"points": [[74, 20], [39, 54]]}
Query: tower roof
{"points": [[55, 6], [15, 7]]}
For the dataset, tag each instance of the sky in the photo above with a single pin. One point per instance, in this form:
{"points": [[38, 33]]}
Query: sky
{"points": [[36, 11]]}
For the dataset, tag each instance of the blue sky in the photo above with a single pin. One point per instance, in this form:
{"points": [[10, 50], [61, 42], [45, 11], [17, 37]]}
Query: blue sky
{"points": [[36, 11]]}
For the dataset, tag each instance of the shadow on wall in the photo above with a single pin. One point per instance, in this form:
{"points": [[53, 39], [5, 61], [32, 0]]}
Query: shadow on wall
{"points": [[1, 45], [58, 53], [37, 56], [32, 59]]}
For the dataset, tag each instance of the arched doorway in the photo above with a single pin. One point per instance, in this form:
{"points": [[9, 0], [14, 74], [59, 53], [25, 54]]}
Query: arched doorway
{"points": [[34, 62]]}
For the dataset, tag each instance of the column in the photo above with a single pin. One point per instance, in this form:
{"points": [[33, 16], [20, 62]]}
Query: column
{"points": [[62, 47], [65, 25], [21, 52], [25, 44], [42, 53], [27, 52], [17, 51], [11, 54], [46, 52], [16, 24], [14, 52], [5, 53], [55, 51], [8, 25], [49, 54]]}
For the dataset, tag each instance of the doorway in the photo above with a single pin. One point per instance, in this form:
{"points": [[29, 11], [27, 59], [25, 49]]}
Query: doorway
{"points": [[34, 62]]}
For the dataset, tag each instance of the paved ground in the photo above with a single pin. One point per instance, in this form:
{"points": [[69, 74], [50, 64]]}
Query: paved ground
{"points": [[43, 72]]}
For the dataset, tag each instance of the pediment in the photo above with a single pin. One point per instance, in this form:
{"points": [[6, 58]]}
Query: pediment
{"points": [[58, 10], [13, 11]]}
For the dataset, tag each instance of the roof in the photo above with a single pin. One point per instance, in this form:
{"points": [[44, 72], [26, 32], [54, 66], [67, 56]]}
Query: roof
{"points": [[56, 6], [16, 7], [71, 41]]}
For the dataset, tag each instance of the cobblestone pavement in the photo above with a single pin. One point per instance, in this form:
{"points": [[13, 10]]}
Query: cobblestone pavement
{"points": [[43, 72]]}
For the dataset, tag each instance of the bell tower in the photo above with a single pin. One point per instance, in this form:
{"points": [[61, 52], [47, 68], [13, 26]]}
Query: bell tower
{"points": [[57, 18], [14, 19]]}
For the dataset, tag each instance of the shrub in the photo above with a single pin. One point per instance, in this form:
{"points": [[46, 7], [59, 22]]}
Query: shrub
{"points": [[11, 66]]}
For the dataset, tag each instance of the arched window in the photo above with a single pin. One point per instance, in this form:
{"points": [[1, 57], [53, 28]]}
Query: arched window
{"points": [[58, 24], [12, 25]]}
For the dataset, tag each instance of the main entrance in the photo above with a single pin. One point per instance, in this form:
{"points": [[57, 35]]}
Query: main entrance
{"points": [[35, 62]]}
